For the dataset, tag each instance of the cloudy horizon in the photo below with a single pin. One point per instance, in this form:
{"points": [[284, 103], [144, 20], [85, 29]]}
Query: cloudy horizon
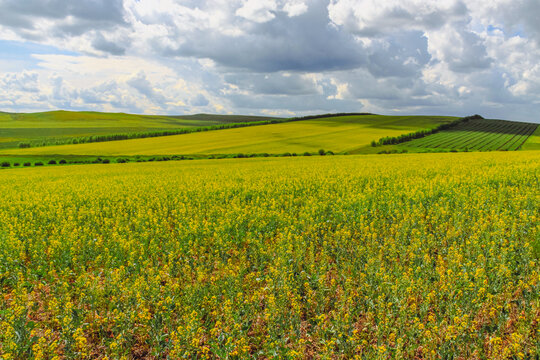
{"points": [[272, 57]]}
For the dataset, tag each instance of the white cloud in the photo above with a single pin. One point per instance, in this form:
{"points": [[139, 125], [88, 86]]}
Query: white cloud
{"points": [[258, 10], [275, 56]]}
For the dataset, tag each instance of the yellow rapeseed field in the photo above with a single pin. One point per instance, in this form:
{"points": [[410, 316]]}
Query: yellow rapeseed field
{"points": [[426, 256]]}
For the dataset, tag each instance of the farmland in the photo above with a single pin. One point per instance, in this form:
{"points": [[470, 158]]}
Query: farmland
{"points": [[398, 256], [47, 127], [533, 143], [477, 135], [339, 134]]}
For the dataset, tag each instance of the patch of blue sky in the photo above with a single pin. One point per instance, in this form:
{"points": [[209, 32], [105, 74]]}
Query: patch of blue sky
{"points": [[516, 31], [17, 55]]}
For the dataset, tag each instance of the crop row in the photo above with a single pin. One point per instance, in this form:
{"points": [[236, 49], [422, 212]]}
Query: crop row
{"points": [[479, 135], [462, 134]]}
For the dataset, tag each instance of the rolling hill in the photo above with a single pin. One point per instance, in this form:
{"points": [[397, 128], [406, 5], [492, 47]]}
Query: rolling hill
{"points": [[339, 134], [47, 127]]}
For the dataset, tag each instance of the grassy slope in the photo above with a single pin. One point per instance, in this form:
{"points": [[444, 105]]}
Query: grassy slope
{"points": [[347, 133], [533, 142], [15, 128], [223, 118]]}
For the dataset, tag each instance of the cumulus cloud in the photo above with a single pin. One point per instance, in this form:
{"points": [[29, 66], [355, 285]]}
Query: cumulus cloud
{"points": [[60, 17], [276, 56]]}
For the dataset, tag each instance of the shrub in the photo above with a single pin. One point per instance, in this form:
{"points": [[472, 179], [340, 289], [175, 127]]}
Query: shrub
{"points": [[27, 164], [52, 162], [16, 164], [121, 160], [373, 143], [38, 163], [62, 161], [307, 154], [24, 145], [286, 154], [106, 161], [329, 152], [5, 164], [322, 152]]}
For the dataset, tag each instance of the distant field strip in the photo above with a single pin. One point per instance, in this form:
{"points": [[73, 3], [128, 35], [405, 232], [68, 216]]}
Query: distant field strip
{"points": [[338, 134], [62, 126], [481, 134]]}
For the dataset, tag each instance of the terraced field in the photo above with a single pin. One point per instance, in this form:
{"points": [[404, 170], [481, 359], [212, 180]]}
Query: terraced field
{"points": [[477, 135]]}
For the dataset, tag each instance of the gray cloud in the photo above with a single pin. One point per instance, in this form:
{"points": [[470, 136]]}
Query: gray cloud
{"points": [[302, 43], [102, 44], [140, 83], [402, 55], [71, 18], [199, 100], [328, 55]]}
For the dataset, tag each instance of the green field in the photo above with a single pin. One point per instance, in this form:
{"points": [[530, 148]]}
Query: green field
{"points": [[37, 128], [338, 134], [477, 135], [533, 143]]}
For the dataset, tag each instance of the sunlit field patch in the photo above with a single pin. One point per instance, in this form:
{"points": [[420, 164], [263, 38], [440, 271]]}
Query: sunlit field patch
{"points": [[398, 256]]}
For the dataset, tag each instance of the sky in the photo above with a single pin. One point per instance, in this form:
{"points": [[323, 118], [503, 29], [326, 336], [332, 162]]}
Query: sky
{"points": [[272, 57]]}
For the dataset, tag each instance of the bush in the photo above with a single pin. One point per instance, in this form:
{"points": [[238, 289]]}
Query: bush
{"points": [[24, 145], [286, 154], [307, 154], [16, 164], [52, 162], [329, 152], [121, 160], [373, 143], [5, 164], [62, 161], [39, 163], [106, 161], [240, 155], [322, 152], [27, 164]]}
